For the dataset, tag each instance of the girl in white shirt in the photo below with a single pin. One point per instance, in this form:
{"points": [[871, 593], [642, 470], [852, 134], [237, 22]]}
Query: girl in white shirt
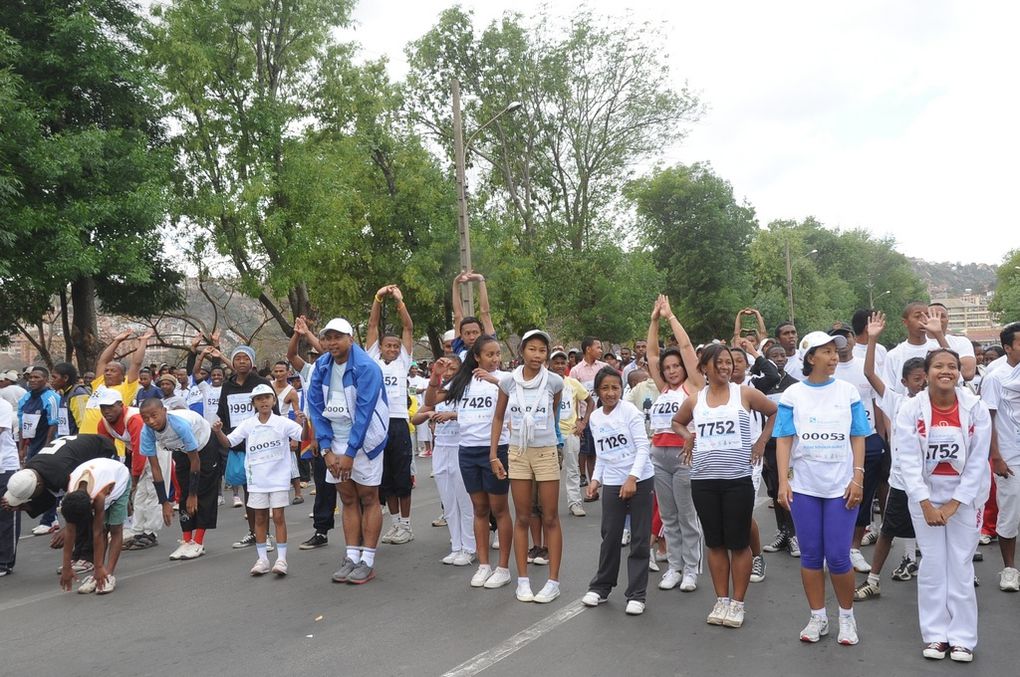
{"points": [[623, 466], [941, 439]]}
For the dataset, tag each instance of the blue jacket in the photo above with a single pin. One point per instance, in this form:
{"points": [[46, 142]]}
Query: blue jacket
{"points": [[363, 384]]}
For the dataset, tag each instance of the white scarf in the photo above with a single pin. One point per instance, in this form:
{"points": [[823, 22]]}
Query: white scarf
{"points": [[539, 383]]}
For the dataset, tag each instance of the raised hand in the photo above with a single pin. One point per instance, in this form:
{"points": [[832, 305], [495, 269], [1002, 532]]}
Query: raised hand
{"points": [[876, 324], [395, 292], [932, 325]]}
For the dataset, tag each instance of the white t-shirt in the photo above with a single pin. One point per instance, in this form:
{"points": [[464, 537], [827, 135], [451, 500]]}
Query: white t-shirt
{"points": [[958, 344], [12, 394], [394, 379], [475, 410], [338, 409], [892, 372], [621, 444], [104, 471], [794, 367], [540, 403], [821, 459], [418, 384], [853, 373], [861, 351], [1000, 390], [8, 450], [447, 434], [267, 451], [210, 400], [890, 404]]}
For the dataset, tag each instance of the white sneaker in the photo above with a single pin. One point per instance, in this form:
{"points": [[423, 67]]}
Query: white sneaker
{"points": [[870, 538], [402, 535], [984, 539], [549, 592], [626, 538], [1009, 580], [815, 629], [653, 565], [192, 550], [220, 501], [390, 533], [238, 503], [498, 579], [482, 575], [176, 554], [449, 558], [495, 540], [88, 586], [463, 558], [847, 631], [280, 568], [859, 563], [577, 510], [524, 593], [111, 583], [592, 598], [689, 583], [734, 615], [44, 529], [635, 608], [670, 579], [261, 567], [718, 614]]}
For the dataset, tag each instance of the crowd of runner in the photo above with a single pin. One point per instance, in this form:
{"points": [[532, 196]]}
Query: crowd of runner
{"points": [[916, 446]]}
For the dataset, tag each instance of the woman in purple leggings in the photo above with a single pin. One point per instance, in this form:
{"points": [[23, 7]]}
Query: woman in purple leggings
{"points": [[820, 429]]}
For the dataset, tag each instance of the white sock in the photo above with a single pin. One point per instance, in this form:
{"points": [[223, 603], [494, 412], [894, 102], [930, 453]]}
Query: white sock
{"points": [[396, 519], [723, 600], [846, 613], [874, 579], [281, 551], [910, 549], [263, 550], [819, 613], [368, 556], [737, 603], [406, 521], [502, 569], [354, 554]]}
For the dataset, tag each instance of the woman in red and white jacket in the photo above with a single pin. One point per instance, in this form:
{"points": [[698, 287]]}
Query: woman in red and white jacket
{"points": [[941, 442]]}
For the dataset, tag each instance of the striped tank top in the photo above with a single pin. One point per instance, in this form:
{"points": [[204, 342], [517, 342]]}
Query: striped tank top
{"points": [[723, 438]]}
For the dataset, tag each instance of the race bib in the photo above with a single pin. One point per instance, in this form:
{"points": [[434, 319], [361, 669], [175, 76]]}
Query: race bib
{"points": [[63, 422], [718, 432], [395, 390], [824, 441], [612, 443], [29, 425], [336, 409], [264, 446], [534, 405], [477, 409], [946, 453], [662, 412], [566, 403], [239, 408]]}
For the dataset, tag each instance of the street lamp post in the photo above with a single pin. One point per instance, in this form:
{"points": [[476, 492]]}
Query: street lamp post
{"points": [[459, 151], [789, 276]]}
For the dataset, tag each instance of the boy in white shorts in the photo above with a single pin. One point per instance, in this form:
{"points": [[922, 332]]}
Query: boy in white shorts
{"points": [[270, 442]]}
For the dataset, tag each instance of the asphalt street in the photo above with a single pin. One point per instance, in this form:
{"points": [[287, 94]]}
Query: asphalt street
{"points": [[209, 617]]}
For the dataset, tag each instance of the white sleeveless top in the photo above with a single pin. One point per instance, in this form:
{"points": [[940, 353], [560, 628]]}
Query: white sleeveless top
{"points": [[722, 446]]}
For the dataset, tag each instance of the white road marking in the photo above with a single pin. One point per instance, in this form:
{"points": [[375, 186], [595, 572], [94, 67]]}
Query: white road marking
{"points": [[510, 645]]}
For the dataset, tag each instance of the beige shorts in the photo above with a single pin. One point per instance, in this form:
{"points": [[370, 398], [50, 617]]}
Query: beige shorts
{"points": [[541, 464], [260, 500]]}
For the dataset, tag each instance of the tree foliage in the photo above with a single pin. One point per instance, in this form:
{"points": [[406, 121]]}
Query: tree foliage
{"points": [[1006, 302]]}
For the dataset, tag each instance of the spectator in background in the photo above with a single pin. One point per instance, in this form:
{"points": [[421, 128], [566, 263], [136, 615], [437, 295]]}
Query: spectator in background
{"points": [[73, 398], [146, 388], [38, 416], [10, 390]]}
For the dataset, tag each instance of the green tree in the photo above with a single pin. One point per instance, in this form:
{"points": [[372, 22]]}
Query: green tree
{"points": [[698, 235], [84, 169], [1006, 302]]}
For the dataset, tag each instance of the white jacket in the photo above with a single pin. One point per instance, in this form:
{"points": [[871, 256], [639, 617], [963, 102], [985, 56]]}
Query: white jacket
{"points": [[910, 442]]}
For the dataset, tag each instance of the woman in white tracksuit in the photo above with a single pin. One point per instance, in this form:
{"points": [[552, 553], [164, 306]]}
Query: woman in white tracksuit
{"points": [[941, 442]]}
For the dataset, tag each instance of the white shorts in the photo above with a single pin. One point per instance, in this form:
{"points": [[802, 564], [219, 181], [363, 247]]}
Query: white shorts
{"points": [[366, 471], [424, 433], [260, 500], [1007, 496]]}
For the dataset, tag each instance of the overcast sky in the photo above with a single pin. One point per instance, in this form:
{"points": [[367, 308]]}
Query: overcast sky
{"points": [[900, 117]]}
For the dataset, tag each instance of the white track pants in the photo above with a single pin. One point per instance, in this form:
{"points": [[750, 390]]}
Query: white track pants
{"points": [[456, 503]]}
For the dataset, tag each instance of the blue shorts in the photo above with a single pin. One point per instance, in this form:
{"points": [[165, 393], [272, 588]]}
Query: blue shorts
{"points": [[477, 471]]}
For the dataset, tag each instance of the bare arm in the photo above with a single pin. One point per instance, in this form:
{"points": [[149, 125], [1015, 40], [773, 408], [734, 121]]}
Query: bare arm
{"points": [[484, 313], [695, 379], [138, 359], [652, 353], [108, 353], [875, 326], [372, 335], [407, 335]]}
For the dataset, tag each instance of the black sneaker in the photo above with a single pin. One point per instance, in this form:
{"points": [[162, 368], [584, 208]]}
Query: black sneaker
{"points": [[247, 542], [532, 553], [316, 541], [584, 481], [779, 543]]}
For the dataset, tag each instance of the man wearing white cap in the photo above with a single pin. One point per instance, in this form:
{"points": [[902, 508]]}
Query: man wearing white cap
{"points": [[347, 403], [10, 391], [235, 406], [36, 487]]}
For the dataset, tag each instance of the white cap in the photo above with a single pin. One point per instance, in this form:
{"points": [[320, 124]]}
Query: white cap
{"points": [[21, 486], [557, 353], [449, 335], [816, 339], [338, 324], [11, 376], [536, 332], [108, 396], [262, 389]]}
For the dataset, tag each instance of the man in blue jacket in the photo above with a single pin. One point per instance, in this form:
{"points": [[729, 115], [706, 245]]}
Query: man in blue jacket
{"points": [[347, 404]]}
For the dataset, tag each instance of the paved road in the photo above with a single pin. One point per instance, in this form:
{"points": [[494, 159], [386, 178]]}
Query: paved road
{"points": [[420, 617]]}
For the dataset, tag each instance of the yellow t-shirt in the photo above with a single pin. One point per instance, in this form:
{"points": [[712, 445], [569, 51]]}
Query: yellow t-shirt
{"points": [[127, 391], [570, 400]]}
